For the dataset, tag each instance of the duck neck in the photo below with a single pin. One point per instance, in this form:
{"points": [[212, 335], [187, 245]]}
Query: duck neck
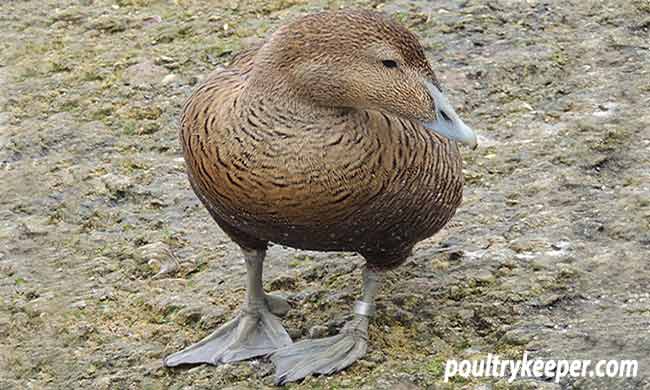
{"points": [[274, 90]]}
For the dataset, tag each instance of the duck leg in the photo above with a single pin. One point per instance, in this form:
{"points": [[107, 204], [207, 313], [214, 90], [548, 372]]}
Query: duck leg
{"points": [[255, 331], [330, 354]]}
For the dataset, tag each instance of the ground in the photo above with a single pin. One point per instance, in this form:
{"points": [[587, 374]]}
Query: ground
{"points": [[548, 252]]}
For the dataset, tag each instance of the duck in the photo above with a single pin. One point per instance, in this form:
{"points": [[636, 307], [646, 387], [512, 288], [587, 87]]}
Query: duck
{"points": [[332, 135]]}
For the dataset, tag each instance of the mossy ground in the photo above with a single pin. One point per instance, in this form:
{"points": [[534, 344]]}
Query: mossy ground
{"points": [[549, 252]]}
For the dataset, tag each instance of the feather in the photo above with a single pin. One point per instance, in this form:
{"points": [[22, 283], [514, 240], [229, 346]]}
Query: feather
{"points": [[344, 171]]}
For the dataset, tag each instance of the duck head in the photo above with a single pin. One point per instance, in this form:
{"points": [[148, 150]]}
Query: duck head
{"points": [[358, 60]]}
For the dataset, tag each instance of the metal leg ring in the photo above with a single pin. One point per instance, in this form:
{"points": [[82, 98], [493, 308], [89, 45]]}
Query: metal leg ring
{"points": [[364, 308]]}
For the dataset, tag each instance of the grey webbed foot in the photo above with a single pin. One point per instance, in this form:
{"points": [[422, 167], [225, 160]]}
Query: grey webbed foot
{"points": [[254, 332], [322, 356]]}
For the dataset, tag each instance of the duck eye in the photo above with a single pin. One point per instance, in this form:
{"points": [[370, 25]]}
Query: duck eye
{"points": [[389, 63], [444, 116]]}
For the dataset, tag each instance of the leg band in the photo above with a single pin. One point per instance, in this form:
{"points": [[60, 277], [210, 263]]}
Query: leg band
{"points": [[364, 308]]}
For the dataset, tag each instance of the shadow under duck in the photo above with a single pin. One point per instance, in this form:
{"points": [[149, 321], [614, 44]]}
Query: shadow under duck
{"points": [[333, 135]]}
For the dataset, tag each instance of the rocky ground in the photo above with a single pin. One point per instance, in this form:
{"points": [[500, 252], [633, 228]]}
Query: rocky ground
{"points": [[549, 252]]}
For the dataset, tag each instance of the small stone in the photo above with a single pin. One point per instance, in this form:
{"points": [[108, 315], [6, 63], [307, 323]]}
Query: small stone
{"points": [[549, 299], [166, 60], [473, 350], [151, 20], [103, 382], [159, 256], [144, 74], [527, 244], [517, 336], [202, 367], [116, 184], [484, 276], [317, 332], [78, 305], [169, 79], [190, 314]]}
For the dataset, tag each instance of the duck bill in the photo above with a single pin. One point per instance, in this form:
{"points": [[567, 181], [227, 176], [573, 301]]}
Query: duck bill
{"points": [[447, 123]]}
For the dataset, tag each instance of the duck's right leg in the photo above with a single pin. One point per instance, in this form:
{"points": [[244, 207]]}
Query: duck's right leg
{"points": [[330, 354], [254, 332]]}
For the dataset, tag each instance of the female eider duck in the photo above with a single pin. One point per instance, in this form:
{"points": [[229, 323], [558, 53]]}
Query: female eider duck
{"points": [[334, 135]]}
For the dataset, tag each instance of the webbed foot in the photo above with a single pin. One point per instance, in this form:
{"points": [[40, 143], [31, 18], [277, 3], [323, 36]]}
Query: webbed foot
{"points": [[322, 356], [254, 332]]}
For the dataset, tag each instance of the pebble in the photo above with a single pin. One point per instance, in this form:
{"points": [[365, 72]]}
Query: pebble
{"points": [[116, 183], [517, 336], [78, 305], [169, 79], [317, 332], [144, 74], [103, 382], [528, 244], [151, 20], [190, 314], [484, 276]]}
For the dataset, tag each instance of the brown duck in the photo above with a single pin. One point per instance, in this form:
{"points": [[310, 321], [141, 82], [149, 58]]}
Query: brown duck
{"points": [[333, 135]]}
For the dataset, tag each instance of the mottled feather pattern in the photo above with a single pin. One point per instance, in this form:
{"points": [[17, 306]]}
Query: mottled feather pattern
{"points": [[341, 180], [370, 183]]}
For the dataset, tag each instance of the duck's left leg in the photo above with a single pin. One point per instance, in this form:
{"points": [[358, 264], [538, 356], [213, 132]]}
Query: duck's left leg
{"points": [[330, 354], [255, 331]]}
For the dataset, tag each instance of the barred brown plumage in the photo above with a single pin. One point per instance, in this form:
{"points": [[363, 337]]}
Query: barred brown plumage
{"points": [[309, 142]]}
